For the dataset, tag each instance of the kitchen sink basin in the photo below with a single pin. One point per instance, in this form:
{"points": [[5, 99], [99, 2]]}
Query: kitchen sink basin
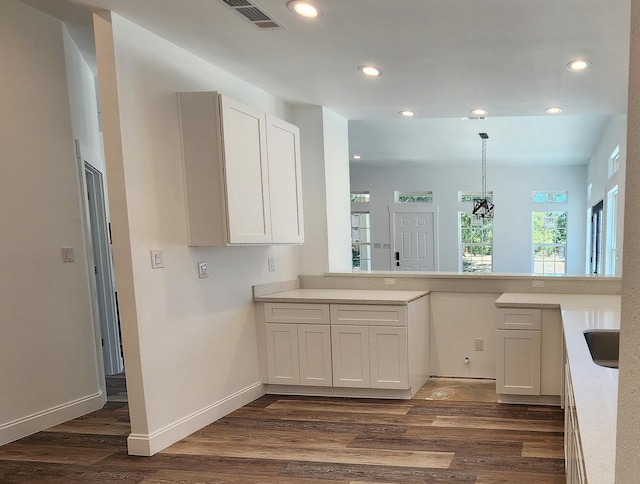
{"points": [[604, 346]]}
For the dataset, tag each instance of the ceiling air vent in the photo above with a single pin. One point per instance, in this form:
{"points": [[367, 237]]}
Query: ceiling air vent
{"points": [[254, 14]]}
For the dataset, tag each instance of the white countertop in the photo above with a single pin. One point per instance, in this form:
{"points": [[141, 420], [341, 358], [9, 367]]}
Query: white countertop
{"points": [[595, 387], [346, 296]]}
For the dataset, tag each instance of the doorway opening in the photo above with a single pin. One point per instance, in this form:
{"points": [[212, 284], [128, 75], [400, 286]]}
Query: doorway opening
{"points": [[103, 270], [596, 238]]}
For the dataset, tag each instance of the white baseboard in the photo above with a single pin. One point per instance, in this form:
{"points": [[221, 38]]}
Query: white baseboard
{"points": [[22, 427], [149, 444]]}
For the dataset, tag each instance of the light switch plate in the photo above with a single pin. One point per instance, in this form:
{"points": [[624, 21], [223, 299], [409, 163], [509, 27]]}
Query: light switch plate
{"points": [[203, 269], [157, 259], [67, 254], [271, 263]]}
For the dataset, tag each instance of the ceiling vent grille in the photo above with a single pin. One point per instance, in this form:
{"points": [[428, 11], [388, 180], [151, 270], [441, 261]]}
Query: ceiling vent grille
{"points": [[254, 14]]}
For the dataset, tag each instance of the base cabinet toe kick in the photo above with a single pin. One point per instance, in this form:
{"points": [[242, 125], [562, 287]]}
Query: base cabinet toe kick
{"points": [[345, 349]]}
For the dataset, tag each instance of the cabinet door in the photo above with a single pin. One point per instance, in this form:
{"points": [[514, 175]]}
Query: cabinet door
{"points": [[389, 357], [282, 354], [314, 350], [350, 356], [246, 173], [518, 362], [285, 182]]}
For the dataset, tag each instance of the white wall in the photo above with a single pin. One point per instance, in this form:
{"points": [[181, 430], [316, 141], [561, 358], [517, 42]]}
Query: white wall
{"points": [[191, 345], [324, 145], [614, 134], [628, 428], [512, 191], [48, 363], [456, 321], [336, 147], [83, 104]]}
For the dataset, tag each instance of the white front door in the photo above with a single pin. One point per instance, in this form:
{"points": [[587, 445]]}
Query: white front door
{"points": [[414, 239]]}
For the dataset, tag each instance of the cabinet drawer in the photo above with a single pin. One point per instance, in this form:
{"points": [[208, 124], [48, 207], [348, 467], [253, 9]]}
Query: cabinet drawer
{"points": [[514, 318], [296, 313], [369, 315]]}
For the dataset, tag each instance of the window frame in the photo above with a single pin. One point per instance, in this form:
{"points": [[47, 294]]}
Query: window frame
{"points": [[554, 245]]}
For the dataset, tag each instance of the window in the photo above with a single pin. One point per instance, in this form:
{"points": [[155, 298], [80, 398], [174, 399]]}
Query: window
{"points": [[360, 241], [614, 161], [360, 197], [550, 197], [418, 197], [476, 236], [470, 197], [549, 242], [476, 243]]}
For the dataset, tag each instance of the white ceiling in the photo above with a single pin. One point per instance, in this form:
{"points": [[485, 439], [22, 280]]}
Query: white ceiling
{"points": [[440, 58]]}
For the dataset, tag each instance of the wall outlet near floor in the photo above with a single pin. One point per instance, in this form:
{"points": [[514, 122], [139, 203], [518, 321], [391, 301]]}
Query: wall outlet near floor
{"points": [[479, 344], [537, 283], [271, 263], [389, 281], [203, 270]]}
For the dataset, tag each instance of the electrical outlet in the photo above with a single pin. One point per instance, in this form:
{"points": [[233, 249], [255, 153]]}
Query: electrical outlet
{"points": [[389, 281], [537, 283], [479, 344], [271, 263], [203, 270]]}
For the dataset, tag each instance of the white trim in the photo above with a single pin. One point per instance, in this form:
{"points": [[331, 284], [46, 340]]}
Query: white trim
{"points": [[150, 444], [50, 417]]}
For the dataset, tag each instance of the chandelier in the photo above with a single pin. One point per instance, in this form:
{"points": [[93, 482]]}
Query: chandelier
{"points": [[482, 207]]}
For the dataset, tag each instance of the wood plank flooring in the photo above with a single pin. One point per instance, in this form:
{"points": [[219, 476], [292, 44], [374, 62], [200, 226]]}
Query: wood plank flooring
{"points": [[282, 439]]}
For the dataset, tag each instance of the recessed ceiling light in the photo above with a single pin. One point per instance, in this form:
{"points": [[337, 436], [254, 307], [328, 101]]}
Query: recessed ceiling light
{"points": [[407, 114], [371, 71], [304, 8], [479, 112], [356, 157], [553, 110], [578, 65]]}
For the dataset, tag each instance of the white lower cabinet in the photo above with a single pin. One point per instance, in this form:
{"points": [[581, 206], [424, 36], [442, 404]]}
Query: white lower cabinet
{"points": [[370, 357], [388, 355], [350, 351], [357, 346], [529, 352], [314, 354], [298, 354], [574, 462], [518, 362]]}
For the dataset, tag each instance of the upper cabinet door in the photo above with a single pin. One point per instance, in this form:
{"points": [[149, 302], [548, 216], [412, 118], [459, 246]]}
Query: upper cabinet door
{"points": [[285, 182], [246, 173]]}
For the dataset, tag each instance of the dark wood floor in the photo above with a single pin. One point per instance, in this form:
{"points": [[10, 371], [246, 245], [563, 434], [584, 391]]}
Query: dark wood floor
{"points": [[309, 440]]}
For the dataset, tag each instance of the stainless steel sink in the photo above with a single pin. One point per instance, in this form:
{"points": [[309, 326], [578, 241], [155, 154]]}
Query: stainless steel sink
{"points": [[604, 346]]}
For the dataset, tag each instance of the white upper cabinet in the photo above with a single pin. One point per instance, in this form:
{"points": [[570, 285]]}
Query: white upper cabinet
{"points": [[246, 173], [242, 173], [285, 181]]}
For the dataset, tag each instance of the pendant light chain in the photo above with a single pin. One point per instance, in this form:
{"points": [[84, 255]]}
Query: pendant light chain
{"points": [[483, 207], [484, 168]]}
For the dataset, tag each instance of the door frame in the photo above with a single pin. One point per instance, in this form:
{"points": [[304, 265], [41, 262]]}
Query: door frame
{"points": [[413, 207], [99, 266], [596, 237]]}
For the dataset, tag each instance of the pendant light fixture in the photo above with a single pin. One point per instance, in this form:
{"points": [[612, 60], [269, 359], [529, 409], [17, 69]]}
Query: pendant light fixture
{"points": [[482, 207]]}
